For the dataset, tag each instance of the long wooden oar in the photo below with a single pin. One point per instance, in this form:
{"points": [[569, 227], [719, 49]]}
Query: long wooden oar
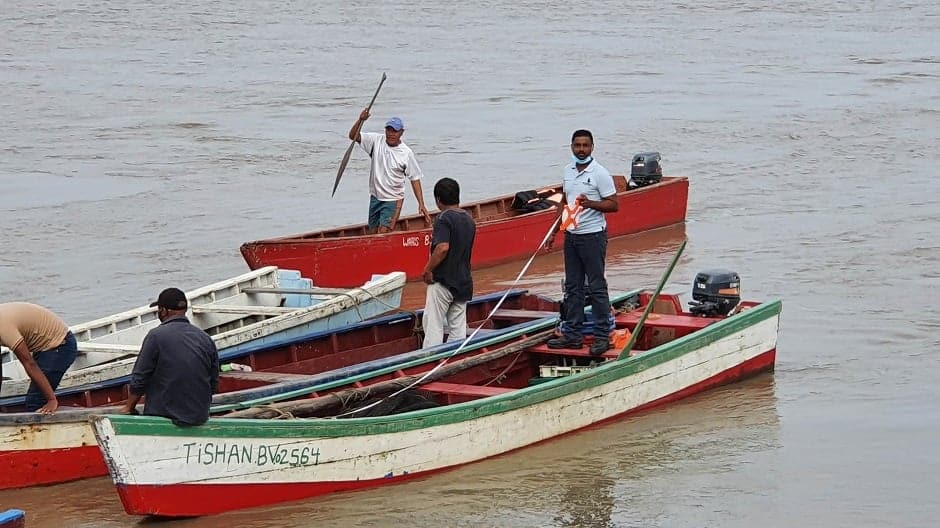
{"points": [[342, 164], [649, 306]]}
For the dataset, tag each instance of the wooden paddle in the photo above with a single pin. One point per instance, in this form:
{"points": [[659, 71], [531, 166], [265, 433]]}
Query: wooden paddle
{"points": [[342, 164], [625, 353]]}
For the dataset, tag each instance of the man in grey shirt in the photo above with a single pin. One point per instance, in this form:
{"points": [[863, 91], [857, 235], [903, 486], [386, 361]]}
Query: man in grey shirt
{"points": [[178, 366]]}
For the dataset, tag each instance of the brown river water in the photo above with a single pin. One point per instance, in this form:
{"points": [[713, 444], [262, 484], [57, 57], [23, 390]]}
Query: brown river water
{"points": [[143, 142]]}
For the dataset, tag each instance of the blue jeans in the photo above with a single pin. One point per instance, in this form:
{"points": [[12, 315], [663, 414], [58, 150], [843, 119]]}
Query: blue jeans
{"points": [[53, 363], [585, 257], [381, 212]]}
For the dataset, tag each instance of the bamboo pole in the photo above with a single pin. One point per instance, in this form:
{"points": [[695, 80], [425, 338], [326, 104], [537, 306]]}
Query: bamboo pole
{"points": [[625, 353]]}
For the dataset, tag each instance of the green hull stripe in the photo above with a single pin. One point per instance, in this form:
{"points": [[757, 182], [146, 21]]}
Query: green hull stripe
{"points": [[333, 428]]}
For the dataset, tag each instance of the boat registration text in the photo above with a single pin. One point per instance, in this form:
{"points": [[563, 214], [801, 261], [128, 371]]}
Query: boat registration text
{"points": [[211, 453]]}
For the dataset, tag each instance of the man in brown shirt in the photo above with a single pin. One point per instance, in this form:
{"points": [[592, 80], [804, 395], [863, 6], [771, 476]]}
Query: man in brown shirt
{"points": [[45, 347]]}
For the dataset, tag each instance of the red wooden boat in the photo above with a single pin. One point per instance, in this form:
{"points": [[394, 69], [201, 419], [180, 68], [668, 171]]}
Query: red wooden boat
{"points": [[347, 255]]}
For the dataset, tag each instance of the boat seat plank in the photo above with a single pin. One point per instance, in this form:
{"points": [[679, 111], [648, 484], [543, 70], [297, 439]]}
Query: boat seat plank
{"points": [[300, 291], [464, 390], [481, 331], [242, 310], [571, 352], [655, 320], [269, 377], [506, 313], [107, 348]]}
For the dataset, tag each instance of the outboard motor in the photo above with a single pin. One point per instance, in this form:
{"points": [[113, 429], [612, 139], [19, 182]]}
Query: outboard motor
{"points": [[715, 292], [645, 169]]}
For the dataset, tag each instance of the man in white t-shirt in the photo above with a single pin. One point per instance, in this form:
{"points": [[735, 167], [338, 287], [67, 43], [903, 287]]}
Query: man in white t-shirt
{"points": [[392, 162]]}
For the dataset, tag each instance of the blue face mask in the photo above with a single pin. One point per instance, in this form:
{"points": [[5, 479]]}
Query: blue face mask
{"points": [[579, 161]]}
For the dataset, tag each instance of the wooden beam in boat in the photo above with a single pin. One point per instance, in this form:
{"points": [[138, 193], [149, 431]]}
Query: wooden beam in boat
{"points": [[266, 377], [464, 390], [300, 291], [243, 310], [508, 313], [108, 348]]}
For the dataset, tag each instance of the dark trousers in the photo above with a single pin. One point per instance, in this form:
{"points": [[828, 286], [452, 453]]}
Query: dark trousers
{"points": [[585, 256], [53, 363]]}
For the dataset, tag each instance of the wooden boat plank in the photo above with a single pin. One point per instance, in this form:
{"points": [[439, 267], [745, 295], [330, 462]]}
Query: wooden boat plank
{"points": [[299, 291], [107, 348], [572, 352], [523, 314], [244, 310], [461, 389], [655, 320], [267, 377]]}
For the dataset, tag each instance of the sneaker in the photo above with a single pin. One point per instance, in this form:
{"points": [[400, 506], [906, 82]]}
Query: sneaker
{"points": [[565, 342], [599, 347]]}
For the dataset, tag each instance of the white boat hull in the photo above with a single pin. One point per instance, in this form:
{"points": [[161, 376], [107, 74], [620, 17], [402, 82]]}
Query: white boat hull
{"points": [[252, 462]]}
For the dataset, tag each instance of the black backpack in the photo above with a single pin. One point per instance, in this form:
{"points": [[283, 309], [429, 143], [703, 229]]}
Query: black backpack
{"points": [[531, 201]]}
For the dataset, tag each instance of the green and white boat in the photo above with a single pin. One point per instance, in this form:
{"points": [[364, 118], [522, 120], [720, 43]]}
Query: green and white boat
{"points": [[480, 404]]}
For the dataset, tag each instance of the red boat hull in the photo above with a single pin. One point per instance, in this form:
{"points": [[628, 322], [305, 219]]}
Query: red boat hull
{"points": [[347, 257], [36, 467]]}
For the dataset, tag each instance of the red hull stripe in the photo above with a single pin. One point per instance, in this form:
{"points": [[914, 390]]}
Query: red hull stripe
{"points": [[205, 499], [33, 467]]}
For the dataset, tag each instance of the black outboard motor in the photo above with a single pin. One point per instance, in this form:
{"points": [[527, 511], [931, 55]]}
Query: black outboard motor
{"points": [[715, 292], [645, 169]]}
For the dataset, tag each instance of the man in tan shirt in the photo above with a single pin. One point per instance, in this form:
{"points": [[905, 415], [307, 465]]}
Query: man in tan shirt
{"points": [[45, 347]]}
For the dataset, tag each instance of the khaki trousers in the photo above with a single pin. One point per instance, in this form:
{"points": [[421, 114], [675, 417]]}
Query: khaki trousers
{"points": [[442, 315]]}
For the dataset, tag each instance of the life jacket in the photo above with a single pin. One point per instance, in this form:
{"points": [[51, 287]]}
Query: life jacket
{"points": [[569, 217]]}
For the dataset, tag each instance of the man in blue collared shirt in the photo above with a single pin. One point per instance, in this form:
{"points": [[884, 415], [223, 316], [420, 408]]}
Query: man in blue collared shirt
{"points": [[589, 193]]}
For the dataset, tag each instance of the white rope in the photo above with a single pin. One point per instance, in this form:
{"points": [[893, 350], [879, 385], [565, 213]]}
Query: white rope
{"points": [[444, 361]]}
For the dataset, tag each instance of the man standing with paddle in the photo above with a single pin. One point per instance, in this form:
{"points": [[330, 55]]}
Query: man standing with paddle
{"points": [[392, 162]]}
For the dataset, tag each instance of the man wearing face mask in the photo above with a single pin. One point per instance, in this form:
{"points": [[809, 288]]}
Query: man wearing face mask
{"points": [[178, 366], [589, 194], [392, 163]]}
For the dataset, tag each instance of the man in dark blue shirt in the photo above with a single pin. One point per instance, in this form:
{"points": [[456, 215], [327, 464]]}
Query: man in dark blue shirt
{"points": [[178, 366], [447, 273]]}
